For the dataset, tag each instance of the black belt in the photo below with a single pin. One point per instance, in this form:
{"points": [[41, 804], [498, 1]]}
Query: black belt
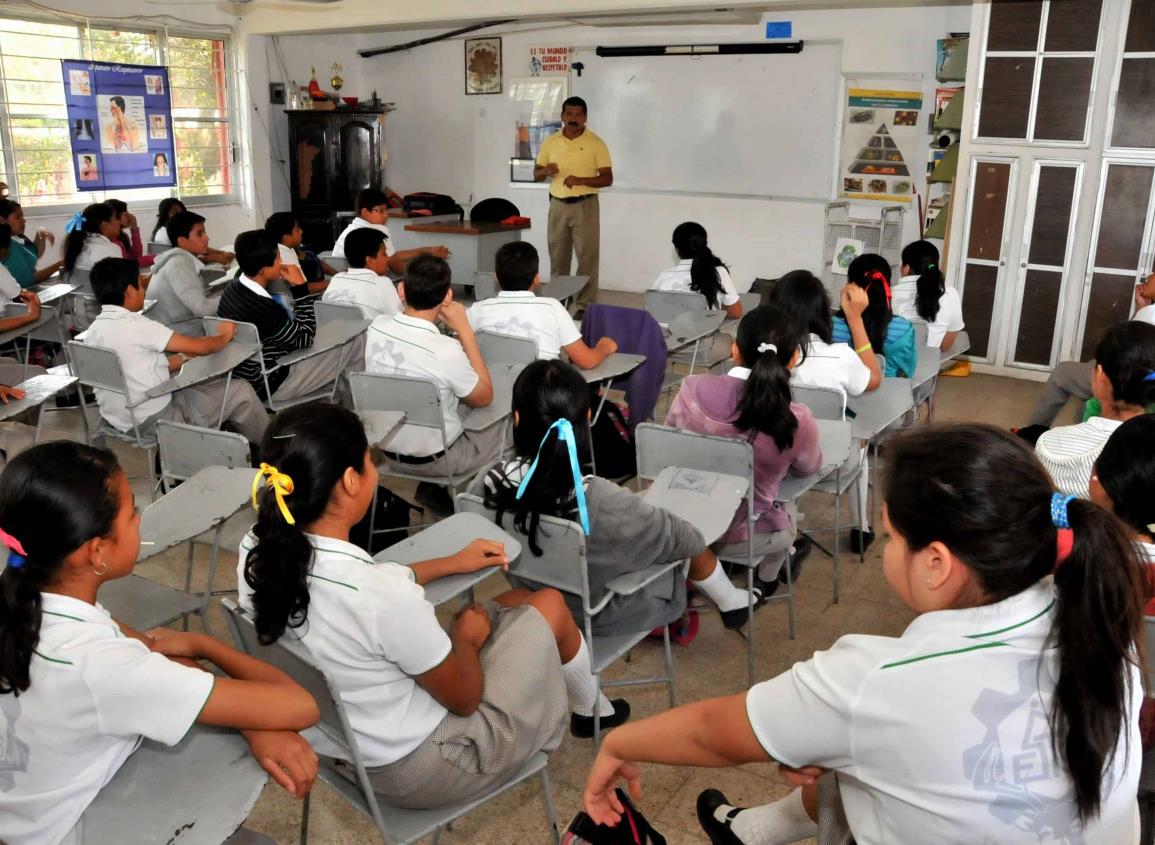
{"points": [[413, 459], [572, 200]]}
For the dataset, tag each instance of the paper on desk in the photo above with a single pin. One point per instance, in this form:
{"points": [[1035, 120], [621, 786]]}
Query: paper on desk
{"points": [[694, 481]]}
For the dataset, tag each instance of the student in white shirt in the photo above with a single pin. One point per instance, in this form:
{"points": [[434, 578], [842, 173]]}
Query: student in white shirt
{"points": [[1124, 383], [286, 231], [495, 688], [150, 353], [79, 690], [92, 235], [365, 283], [410, 344], [852, 368], [1008, 707], [922, 294], [373, 211], [518, 310], [700, 271]]}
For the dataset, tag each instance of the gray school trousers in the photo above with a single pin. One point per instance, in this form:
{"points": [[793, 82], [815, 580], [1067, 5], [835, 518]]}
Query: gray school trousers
{"points": [[1070, 378]]}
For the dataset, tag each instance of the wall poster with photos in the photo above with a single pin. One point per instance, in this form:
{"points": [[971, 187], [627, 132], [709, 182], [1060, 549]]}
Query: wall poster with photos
{"points": [[537, 101], [120, 125], [882, 143]]}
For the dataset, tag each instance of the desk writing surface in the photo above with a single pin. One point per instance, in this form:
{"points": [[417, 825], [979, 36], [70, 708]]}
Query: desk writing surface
{"points": [[47, 315], [380, 426], [690, 327], [197, 505], [562, 288], [706, 500], [329, 336], [47, 294], [503, 376], [834, 437], [206, 368], [465, 227], [876, 410], [37, 391], [614, 366]]}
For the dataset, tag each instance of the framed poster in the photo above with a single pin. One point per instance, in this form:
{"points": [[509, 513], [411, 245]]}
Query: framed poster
{"points": [[482, 65], [538, 100], [882, 145], [120, 121]]}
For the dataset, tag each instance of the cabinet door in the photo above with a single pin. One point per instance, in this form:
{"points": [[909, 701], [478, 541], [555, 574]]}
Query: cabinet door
{"points": [[1121, 252], [359, 160], [1043, 260], [309, 163], [986, 246]]}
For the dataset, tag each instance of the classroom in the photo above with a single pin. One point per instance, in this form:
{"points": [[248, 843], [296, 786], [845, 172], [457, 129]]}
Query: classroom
{"points": [[586, 422]]}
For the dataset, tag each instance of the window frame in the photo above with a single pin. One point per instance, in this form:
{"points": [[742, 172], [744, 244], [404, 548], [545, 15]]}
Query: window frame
{"points": [[1038, 55], [84, 26]]}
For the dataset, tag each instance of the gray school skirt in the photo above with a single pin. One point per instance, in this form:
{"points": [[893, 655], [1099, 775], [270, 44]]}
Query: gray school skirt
{"points": [[523, 710]]}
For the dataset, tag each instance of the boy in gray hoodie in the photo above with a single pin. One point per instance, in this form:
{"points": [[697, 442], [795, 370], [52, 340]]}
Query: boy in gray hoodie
{"points": [[182, 298]]}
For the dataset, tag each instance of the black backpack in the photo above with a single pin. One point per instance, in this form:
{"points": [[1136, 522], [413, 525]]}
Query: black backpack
{"points": [[392, 512], [433, 203], [613, 444]]}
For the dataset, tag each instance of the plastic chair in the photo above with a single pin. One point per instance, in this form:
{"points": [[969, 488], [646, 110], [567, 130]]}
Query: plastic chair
{"points": [[484, 285], [670, 307], [338, 263], [100, 368], [661, 446], [498, 348], [827, 403], [396, 826], [925, 378], [187, 449], [155, 248], [562, 565]]}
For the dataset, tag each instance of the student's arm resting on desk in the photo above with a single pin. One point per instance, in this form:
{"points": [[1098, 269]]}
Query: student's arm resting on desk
{"points": [[584, 358], [480, 554], [457, 681], [401, 258], [456, 318], [30, 299], [947, 342], [185, 345], [711, 733]]}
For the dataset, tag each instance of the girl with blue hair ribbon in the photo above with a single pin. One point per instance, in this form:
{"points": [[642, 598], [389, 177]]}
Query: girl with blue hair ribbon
{"points": [[624, 534], [93, 234]]}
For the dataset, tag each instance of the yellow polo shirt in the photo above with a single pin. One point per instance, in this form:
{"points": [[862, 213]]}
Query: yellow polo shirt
{"points": [[582, 156]]}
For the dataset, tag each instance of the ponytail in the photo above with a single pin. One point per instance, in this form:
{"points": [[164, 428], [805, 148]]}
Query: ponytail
{"points": [[982, 493], [82, 225], [164, 212], [690, 243], [922, 259], [307, 449], [54, 498], [545, 395], [871, 272], [767, 342]]}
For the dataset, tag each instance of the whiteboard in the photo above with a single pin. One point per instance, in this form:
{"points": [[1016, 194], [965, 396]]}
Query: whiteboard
{"points": [[761, 125]]}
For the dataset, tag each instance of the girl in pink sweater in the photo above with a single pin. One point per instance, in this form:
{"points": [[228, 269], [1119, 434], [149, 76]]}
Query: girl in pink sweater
{"points": [[753, 401]]}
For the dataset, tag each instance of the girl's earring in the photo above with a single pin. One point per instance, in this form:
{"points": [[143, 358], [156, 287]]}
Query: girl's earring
{"points": [[100, 568]]}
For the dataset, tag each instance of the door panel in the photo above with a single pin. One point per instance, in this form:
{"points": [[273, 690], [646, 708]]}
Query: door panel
{"points": [[978, 306], [1110, 302], [988, 208], [1036, 335]]}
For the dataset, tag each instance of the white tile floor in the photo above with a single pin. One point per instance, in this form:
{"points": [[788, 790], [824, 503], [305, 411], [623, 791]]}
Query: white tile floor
{"points": [[714, 664]]}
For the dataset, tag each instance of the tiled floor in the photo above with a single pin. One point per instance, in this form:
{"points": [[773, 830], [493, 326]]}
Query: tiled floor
{"points": [[714, 664]]}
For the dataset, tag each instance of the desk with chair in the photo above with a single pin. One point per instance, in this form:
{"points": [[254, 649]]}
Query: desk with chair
{"points": [[503, 376], [445, 538], [706, 500], [196, 793], [615, 366], [563, 288], [877, 410], [472, 246], [208, 367], [380, 426], [37, 391]]}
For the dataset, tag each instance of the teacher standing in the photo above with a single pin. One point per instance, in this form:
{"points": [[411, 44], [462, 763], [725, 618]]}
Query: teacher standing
{"points": [[579, 164]]}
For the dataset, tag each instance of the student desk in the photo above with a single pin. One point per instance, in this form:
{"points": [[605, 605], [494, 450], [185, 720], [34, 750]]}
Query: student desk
{"points": [[563, 288], [503, 376], [614, 366], [380, 426], [691, 327], [37, 391], [329, 335], [706, 500], [879, 409], [399, 219], [834, 437], [200, 504], [19, 309], [961, 346], [207, 368], [195, 793], [445, 538], [472, 246], [49, 293]]}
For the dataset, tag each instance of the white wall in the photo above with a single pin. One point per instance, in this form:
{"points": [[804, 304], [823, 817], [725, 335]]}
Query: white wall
{"points": [[441, 140]]}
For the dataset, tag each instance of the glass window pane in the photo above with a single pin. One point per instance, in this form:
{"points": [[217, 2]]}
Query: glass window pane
{"points": [[1006, 105], [1073, 26], [1064, 90], [130, 48], [1134, 117], [204, 157], [1141, 28], [1014, 25], [38, 40]]}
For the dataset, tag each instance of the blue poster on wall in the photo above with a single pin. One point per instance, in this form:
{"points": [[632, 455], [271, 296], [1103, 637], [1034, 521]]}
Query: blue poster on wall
{"points": [[120, 123]]}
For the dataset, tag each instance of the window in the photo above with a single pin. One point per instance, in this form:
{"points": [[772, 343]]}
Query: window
{"points": [[1038, 70], [35, 154], [1134, 123]]}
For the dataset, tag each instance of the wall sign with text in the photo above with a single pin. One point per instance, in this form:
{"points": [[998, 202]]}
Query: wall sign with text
{"points": [[120, 125]]}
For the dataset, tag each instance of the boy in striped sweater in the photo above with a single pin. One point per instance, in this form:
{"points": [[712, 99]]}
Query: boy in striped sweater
{"points": [[283, 328]]}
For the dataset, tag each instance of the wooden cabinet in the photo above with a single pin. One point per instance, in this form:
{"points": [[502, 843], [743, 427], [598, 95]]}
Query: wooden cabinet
{"points": [[333, 155]]}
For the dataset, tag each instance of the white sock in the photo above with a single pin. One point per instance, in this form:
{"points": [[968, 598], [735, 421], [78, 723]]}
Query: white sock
{"points": [[721, 591], [582, 686], [771, 566], [780, 823]]}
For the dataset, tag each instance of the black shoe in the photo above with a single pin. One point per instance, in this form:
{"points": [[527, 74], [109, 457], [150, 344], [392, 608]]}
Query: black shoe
{"points": [[1031, 433], [860, 540], [739, 616], [802, 547], [719, 832], [435, 497], [583, 726]]}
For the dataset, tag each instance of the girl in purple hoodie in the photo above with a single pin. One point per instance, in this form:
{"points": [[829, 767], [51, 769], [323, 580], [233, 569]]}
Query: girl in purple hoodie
{"points": [[753, 401]]}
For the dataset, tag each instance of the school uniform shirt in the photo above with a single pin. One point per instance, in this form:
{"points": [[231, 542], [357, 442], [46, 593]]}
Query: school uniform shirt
{"points": [[1146, 314], [525, 314], [375, 295], [21, 261], [948, 319], [372, 630], [677, 278], [9, 287], [941, 735], [161, 237], [900, 345], [582, 156], [1069, 453], [410, 346], [833, 365], [289, 256], [94, 695], [139, 342], [362, 223], [97, 247]]}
